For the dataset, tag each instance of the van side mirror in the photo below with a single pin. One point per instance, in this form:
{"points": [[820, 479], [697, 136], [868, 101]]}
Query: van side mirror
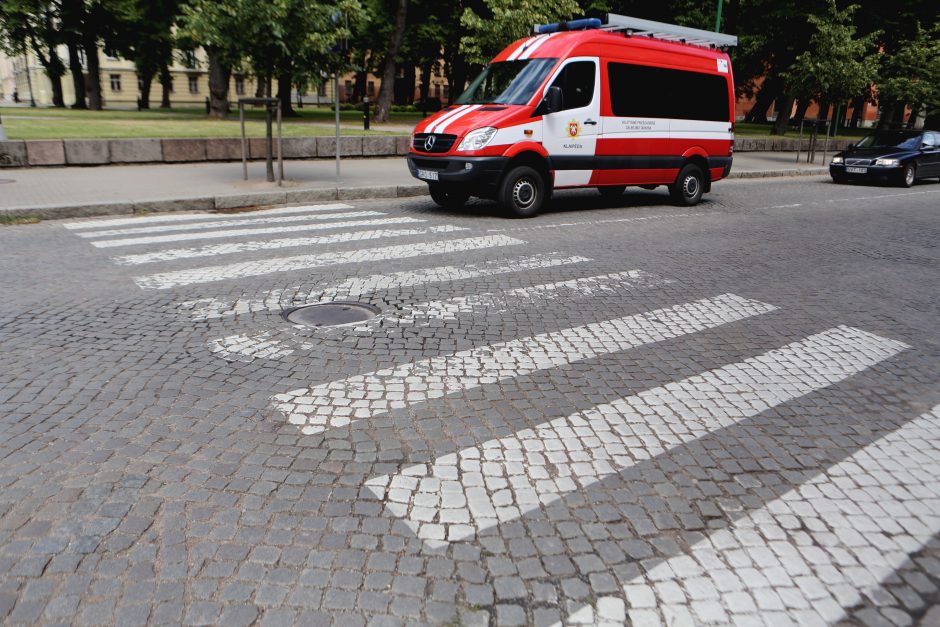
{"points": [[553, 101]]}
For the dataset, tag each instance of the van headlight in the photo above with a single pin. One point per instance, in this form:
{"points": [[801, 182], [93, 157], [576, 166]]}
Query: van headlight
{"points": [[888, 163], [478, 139], [838, 160]]}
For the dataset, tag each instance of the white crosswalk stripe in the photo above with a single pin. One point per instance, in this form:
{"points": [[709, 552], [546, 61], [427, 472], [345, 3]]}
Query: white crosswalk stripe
{"points": [[145, 221], [276, 300], [320, 225], [463, 494], [264, 345], [339, 403], [208, 274], [275, 244], [821, 547]]}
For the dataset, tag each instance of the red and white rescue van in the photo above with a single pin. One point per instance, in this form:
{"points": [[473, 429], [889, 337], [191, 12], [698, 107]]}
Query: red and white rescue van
{"points": [[586, 104]]}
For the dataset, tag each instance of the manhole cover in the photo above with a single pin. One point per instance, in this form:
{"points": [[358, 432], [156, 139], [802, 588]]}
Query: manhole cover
{"points": [[331, 314]]}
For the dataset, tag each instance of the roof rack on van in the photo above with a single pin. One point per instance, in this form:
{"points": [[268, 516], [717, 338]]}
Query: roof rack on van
{"points": [[669, 32]]}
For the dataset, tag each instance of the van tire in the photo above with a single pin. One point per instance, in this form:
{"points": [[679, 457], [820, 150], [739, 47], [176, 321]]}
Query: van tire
{"points": [[689, 186], [448, 196], [522, 192]]}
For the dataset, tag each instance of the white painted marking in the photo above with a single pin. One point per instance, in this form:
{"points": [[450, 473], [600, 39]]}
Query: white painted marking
{"points": [[829, 542], [527, 54], [248, 348], [339, 403], [145, 220], [219, 224], [446, 117], [213, 308], [167, 280], [440, 128], [506, 478], [520, 49], [243, 247]]}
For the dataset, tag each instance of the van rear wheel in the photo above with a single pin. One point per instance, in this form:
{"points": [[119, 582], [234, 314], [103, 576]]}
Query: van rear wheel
{"points": [[448, 196], [522, 192], [689, 186]]}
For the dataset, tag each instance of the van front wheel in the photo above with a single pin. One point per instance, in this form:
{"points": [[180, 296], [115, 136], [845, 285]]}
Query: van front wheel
{"points": [[522, 192], [689, 186]]}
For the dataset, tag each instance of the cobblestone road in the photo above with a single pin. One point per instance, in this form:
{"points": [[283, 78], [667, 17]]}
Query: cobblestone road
{"points": [[616, 413]]}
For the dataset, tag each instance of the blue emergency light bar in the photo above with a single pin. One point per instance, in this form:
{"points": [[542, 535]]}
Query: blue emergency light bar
{"points": [[583, 24]]}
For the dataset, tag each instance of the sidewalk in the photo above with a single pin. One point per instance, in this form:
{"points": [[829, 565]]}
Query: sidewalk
{"points": [[106, 190]]}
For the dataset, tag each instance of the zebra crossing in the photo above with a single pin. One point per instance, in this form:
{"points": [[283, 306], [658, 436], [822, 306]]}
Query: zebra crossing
{"points": [[805, 556]]}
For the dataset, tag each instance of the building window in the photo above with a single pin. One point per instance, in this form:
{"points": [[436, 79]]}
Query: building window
{"points": [[371, 89], [189, 58], [349, 91], [193, 84], [115, 82], [240, 85]]}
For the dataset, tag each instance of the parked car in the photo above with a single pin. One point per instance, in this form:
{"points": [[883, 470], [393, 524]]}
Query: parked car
{"points": [[580, 105], [899, 157]]}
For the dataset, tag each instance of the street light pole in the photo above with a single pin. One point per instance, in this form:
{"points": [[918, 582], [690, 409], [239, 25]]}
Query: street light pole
{"points": [[718, 18]]}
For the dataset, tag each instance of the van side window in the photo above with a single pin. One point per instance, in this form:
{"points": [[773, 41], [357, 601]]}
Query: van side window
{"points": [[639, 91], [577, 84]]}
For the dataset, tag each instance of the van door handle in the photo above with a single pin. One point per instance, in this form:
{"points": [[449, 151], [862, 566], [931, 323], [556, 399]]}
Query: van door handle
{"points": [[590, 122]]}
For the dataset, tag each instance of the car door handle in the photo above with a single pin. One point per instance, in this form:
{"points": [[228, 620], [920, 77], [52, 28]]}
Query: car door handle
{"points": [[590, 122]]}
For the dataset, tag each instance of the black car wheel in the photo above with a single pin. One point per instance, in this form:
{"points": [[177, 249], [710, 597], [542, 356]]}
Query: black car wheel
{"points": [[448, 196], [909, 175], [689, 186], [522, 192], [839, 179]]}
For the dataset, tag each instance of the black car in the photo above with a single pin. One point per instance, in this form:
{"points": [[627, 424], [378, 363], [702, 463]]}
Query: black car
{"points": [[899, 157]]}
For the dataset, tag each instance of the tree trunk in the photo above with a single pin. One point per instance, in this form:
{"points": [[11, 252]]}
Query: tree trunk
{"points": [[915, 113], [54, 68], [219, 75], [359, 87], [259, 86], [383, 104], [78, 74], [823, 113], [408, 85], [858, 106], [887, 113], [90, 45], [765, 98], [801, 108], [783, 115], [283, 93], [146, 80], [166, 82]]}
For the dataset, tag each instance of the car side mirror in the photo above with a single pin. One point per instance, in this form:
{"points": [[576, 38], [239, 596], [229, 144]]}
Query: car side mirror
{"points": [[553, 101]]}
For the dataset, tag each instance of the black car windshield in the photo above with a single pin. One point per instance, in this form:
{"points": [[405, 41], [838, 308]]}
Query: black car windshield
{"points": [[891, 139], [507, 82]]}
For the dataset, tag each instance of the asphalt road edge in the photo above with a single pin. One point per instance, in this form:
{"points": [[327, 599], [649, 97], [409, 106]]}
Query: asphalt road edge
{"points": [[234, 202]]}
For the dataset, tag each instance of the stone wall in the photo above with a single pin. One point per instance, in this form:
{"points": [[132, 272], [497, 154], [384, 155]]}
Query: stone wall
{"points": [[88, 152]]}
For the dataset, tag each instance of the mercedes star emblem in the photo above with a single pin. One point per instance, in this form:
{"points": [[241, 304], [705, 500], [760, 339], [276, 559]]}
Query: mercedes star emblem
{"points": [[429, 143]]}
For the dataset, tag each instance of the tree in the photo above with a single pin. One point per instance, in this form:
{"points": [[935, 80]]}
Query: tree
{"points": [[504, 21], [384, 101], [144, 34], [839, 64], [33, 25], [911, 75]]}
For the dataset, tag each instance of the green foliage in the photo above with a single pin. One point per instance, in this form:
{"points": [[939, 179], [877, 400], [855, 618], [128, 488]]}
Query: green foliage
{"points": [[912, 74], [504, 21], [839, 64]]}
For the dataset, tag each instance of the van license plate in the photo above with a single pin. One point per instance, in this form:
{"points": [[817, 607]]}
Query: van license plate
{"points": [[856, 170], [427, 175]]}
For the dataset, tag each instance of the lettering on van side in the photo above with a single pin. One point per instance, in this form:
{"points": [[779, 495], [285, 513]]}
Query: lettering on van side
{"points": [[638, 125]]}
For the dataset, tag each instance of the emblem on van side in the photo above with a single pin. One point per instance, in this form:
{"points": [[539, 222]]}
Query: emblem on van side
{"points": [[574, 129]]}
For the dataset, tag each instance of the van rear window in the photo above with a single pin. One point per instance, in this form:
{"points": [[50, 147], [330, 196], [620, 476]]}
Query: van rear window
{"points": [[653, 92]]}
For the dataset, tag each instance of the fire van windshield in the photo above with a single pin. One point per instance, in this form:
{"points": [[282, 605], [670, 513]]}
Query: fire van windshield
{"points": [[508, 82]]}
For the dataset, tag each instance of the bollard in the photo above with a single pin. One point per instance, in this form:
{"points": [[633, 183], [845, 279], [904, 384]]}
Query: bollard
{"points": [[365, 113]]}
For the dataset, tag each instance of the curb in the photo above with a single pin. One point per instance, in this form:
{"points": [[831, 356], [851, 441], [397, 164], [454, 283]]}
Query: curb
{"points": [[262, 199]]}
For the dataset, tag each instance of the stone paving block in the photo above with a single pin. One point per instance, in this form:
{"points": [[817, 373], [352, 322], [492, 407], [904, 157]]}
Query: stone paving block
{"points": [[135, 150], [349, 146], [352, 193], [12, 154], [310, 195], [236, 201], [45, 152], [378, 146], [176, 150], [402, 144], [87, 151], [224, 149]]}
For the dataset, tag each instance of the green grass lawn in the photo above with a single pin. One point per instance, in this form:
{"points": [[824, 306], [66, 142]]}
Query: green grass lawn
{"points": [[751, 131], [43, 123]]}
